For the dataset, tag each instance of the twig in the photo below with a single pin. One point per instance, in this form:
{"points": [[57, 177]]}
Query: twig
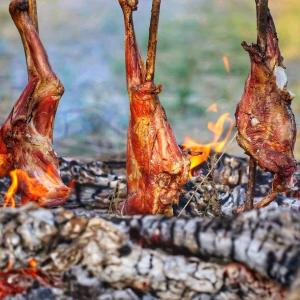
{"points": [[208, 174], [262, 23], [33, 13], [251, 184], [152, 44]]}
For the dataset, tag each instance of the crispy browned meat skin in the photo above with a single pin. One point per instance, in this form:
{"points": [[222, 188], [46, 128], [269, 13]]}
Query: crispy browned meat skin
{"points": [[26, 135], [156, 167], [265, 121]]}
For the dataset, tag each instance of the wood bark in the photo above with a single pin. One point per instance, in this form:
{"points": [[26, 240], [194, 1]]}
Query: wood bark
{"points": [[100, 187], [252, 256], [251, 184]]}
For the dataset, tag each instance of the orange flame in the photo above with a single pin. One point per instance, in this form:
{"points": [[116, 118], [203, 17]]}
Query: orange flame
{"points": [[32, 263], [34, 190], [226, 63], [199, 153], [14, 282]]}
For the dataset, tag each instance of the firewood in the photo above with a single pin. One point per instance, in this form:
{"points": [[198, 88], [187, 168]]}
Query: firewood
{"points": [[252, 256], [100, 187]]}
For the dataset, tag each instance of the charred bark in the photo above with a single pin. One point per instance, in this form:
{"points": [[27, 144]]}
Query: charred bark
{"points": [[252, 256], [100, 188], [156, 167], [26, 135]]}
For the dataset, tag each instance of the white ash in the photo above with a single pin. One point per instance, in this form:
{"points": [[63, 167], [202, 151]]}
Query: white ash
{"points": [[101, 252]]}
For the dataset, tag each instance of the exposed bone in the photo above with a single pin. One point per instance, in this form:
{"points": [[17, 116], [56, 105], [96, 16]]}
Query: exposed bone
{"points": [[33, 13]]}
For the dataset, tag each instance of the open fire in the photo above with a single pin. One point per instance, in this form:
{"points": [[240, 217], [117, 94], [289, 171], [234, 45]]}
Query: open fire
{"points": [[85, 246], [31, 189], [34, 191], [199, 153]]}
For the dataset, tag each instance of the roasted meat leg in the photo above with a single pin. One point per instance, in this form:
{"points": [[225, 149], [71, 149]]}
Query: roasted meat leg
{"points": [[26, 135], [156, 167], [265, 122]]}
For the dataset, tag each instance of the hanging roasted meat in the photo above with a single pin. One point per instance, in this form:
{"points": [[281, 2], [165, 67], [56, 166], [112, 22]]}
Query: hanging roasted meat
{"points": [[26, 135], [265, 122], [156, 167]]}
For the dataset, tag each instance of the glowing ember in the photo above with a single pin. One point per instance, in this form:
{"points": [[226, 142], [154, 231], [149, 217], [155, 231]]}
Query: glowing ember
{"points": [[34, 190], [199, 153], [226, 63], [15, 282], [32, 263]]}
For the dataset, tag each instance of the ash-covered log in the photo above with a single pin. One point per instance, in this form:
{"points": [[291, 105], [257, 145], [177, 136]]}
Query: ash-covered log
{"points": [[252, 256], [100, 187]]}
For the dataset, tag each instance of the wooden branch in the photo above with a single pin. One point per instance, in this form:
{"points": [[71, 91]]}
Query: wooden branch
{"points": [[247, 255], [262, 11], [152, 44], [251, 184], [33, 13]]}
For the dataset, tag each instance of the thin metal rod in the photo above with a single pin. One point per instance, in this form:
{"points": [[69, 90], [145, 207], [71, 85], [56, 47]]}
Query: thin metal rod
{"points": [[251, 184], [262, 12], [152, 44], [33, 13]]}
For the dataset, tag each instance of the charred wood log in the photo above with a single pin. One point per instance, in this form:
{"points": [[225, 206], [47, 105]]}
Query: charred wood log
{"points": [[250, 239], [100, 187], [252, 256]]}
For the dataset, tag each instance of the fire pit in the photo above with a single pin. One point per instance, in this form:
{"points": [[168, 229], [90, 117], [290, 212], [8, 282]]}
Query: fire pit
{"points": [[169, 222]]}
